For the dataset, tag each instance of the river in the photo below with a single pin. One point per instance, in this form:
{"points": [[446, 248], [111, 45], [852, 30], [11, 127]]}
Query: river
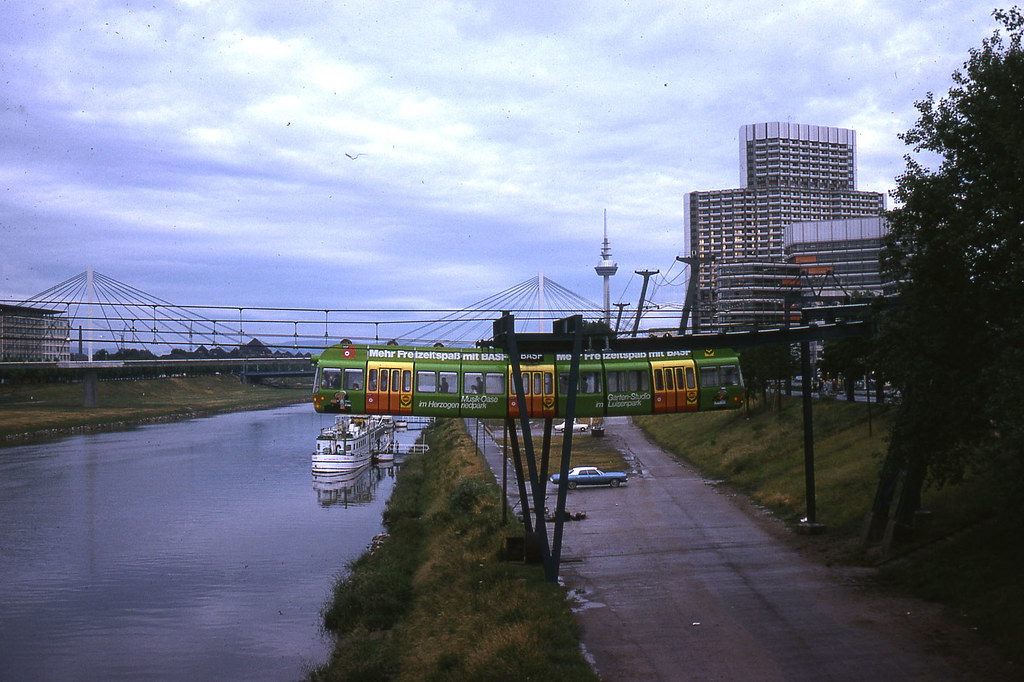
{"points": [[192, 550]]}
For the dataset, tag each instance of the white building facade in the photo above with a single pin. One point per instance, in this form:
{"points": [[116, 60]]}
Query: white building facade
{"points": [[789, 173]]}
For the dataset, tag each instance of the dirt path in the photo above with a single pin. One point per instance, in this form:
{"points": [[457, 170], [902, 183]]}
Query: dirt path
{"points": [[677, 581]]}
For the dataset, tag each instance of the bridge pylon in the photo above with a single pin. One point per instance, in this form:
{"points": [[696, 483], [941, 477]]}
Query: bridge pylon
{"points": [[567, 332]]}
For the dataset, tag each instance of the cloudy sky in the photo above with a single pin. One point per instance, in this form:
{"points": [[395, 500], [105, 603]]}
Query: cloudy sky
{"points": [[202, 151]]}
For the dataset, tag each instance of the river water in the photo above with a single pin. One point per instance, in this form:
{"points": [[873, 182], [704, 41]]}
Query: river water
{"points": [[198, 550]]}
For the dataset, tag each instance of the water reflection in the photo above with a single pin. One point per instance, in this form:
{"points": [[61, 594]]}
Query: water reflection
{"points": [[346, 488]]}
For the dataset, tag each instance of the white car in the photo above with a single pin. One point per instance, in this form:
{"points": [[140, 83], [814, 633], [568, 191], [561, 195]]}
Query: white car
{"points": [[576, 426]]}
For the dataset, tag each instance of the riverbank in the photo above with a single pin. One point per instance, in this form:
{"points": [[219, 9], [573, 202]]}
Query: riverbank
{"points": [[32, 412], [435, 599]]}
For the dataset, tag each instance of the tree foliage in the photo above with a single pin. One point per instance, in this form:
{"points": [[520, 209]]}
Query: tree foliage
{"points": [[957, 245], [848, 358], [764, 365]]}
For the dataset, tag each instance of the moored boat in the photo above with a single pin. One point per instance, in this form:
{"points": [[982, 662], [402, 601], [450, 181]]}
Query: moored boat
{"points": [[350, 443], [385, 456]]}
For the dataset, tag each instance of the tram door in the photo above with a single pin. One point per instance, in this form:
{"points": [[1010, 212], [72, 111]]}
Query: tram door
{"points": [[389, 387], [538, 390], [675, 386]]}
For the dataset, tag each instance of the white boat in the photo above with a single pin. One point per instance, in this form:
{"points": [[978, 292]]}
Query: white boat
{"points": [[351, 442]]}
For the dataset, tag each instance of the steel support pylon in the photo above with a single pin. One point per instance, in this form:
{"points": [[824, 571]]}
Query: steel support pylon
{"points": [[534, 520]]}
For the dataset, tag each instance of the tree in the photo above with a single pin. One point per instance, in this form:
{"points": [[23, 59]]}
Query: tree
{"points": [[847, 358], [763, 365], [956, 348]]}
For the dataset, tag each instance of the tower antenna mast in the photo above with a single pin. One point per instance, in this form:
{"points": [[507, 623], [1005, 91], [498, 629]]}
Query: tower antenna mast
{"points": [[606, 268]]}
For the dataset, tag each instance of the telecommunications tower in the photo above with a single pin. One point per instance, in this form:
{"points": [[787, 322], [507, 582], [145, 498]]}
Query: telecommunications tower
{"points": [[606, 268]]}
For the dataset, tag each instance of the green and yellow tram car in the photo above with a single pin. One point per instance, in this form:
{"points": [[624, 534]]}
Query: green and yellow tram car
{"points": [[538, 372], [454, 382]]}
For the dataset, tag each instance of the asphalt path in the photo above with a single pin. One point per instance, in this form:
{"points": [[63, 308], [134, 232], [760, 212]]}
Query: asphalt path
{"points": [[674, 579]]}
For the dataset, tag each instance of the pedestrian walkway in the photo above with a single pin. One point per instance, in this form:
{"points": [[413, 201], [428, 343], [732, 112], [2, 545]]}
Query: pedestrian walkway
{"points": [[672, 580]]}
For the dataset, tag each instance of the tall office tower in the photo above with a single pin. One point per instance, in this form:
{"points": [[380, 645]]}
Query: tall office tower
{"points": [[788, 172]]}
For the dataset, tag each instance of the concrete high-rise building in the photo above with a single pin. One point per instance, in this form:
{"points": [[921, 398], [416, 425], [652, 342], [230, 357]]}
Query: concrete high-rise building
{"points": [[788, 173], [849, 251]]}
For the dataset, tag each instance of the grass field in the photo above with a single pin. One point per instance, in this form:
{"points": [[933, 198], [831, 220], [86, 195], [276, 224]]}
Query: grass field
{"points": [[587, 450], [41, 410]]}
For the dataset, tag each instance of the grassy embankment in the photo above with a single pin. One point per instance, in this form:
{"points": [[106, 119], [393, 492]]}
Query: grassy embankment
{"points": [[960, 555], [435, 601], [47, 409]]}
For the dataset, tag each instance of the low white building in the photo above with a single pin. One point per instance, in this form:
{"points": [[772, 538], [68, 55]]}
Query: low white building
{"points": [[33, 334]]}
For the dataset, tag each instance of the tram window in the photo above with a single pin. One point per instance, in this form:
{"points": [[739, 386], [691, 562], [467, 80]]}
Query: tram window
{"points": [[659, 381], [708, 377], [639, 380], [590, 382], [396, 375], [426, 382], [538, 387], [353, 379], [449, 382], [730, 375], [406, 380], [669, 381], [616, 379], [494, 383], [473, 382], [526, 383], [371, 381], [331, 379], [632, 380], [549, 383], [691, 380], [680, 379]]}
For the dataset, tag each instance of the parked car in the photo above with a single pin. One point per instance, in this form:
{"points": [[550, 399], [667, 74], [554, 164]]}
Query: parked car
{"points": [[592, 476], [576, 426]]}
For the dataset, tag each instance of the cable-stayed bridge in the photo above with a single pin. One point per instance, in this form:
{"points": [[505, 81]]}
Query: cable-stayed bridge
{"points": [[100, 315]]}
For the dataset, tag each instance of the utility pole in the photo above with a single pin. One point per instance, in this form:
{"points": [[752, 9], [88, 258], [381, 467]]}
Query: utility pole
{"points": [[646, 274], [620, 306], [691, 289]]}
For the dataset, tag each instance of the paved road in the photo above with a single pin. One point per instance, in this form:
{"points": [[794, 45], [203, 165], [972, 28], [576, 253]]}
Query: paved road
{"points": [[676, 581]]}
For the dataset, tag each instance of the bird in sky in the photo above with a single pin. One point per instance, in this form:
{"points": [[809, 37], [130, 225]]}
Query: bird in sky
{"points": [[354, 157]]}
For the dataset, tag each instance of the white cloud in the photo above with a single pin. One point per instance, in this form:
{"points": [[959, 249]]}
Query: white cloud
{"points": [[211, 137]]}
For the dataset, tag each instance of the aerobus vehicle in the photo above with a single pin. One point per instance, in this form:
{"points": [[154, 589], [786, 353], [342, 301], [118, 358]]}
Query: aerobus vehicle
{"points": [[472, 382]]}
